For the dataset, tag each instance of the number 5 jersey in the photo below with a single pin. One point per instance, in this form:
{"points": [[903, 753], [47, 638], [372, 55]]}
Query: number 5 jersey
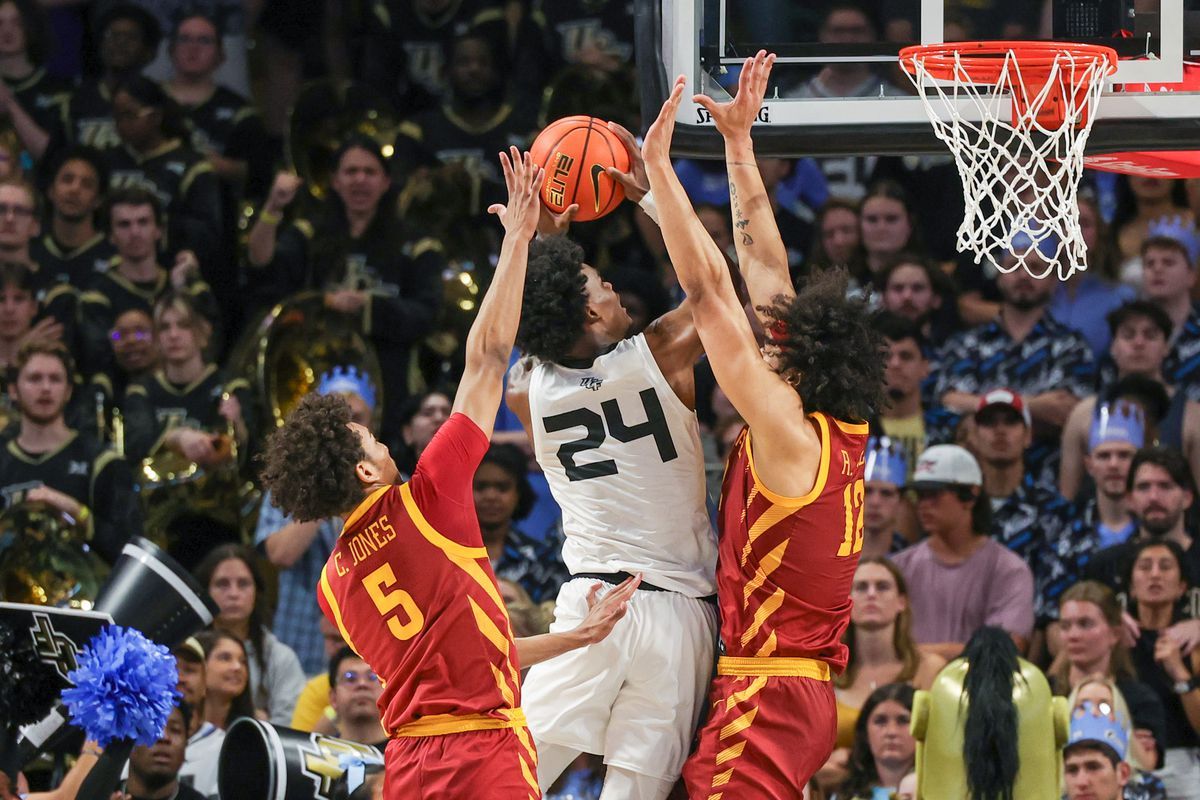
{"points": [[622, 455]]}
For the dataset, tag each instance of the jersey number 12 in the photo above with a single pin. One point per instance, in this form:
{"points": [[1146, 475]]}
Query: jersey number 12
{"points": [[852, 498], [594, 434]]}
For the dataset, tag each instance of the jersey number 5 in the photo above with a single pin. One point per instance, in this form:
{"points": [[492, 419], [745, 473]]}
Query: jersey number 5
{"points": [[386, 602], [852, 497], [593, 425]]}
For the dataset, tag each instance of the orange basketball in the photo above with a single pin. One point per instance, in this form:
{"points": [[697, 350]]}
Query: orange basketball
{"points": [[575, 151]]}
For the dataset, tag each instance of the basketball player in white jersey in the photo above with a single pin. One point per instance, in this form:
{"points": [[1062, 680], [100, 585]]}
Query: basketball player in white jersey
{"points": [[614, 428]]}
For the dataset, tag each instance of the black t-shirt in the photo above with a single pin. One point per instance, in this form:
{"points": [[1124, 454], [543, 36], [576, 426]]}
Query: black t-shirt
{"points": [[90, 473], [1179, 731], [89, 117], [182, 792], [78, 267], [1146, 711], [231, 126], [44, 98]]}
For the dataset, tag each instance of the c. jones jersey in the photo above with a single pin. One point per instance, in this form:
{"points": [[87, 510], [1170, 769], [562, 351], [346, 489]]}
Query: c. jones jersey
{"points": [[622, 456]]}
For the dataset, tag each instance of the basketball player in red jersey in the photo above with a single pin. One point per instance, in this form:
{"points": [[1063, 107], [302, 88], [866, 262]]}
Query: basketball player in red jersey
{"points": [[790, 523], [409, 583]]}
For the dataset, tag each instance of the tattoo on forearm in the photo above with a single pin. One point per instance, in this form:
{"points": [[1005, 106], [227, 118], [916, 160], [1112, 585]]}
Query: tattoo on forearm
{"points": [[740, 222]]}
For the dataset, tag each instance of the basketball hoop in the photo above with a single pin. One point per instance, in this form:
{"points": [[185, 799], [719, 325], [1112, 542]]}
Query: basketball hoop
{"points": [[1022, 158]]}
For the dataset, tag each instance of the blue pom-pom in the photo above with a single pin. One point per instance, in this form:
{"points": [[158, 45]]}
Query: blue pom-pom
{"points": [[124, 687]]}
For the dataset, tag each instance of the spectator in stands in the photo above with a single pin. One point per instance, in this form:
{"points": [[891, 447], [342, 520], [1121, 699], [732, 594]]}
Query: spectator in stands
{"points": [[1161, 491], [1117, 433], [528, 618], [882, 651], [18, 226], [1090, 629], [1083, 301], [201, 759], [18, 309], [73, 249], [128, 37], [884, 748], [420, 418], [1034, 522], [157, 156], [917, 290], [234, 582], [1093, 760], [1169, 277], [227, 692], [154, 770], [838, 241], [1028, 351], [907, 419], [886, 468], [1157, 582], [46, 461], [1103, 693], [1141, 331], [846, 22], [191, 408], [299, 549], [354, 695], [960, 578], [356, 254], [476, 121], [135, 354], [136, 279], [313, 712], [34, 101], [224, 128], [889, 227], [1144, 201], [503, 496]]}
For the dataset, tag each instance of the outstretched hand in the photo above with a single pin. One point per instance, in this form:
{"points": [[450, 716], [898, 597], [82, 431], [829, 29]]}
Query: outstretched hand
{"points": [[551, 224], [604, 613], [735, 117], [524, 181], [656, 147], [635, 183]]}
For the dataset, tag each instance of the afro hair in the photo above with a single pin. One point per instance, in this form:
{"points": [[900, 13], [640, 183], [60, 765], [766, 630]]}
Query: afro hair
{"points": [[829, 342], [555, 301]]}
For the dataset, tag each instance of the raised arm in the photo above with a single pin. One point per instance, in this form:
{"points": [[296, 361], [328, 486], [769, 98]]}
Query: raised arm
{"points": [[490, 341], [762, 397], [762, 257]]}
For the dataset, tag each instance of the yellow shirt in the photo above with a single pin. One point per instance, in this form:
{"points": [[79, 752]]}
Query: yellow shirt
{"points": [[312, 704]]}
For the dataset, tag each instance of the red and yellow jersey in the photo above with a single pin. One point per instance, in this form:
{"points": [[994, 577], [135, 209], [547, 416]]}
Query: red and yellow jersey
{"points": [[785, 564], [411, 588]]}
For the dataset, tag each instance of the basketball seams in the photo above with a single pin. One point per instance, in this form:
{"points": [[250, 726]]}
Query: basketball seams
{"points": [[582, 152], [612, 190]]}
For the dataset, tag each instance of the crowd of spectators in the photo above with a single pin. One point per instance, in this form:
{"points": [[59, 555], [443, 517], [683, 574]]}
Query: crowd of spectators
{"points": [[1034, 469]]}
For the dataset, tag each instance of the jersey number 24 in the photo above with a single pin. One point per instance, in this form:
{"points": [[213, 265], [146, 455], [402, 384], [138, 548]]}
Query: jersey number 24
{"points": [[594, 434]]}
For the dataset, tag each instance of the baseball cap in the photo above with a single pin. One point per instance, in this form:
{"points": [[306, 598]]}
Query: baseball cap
{"points": [[1098, 727], [190, 649], [946, 465], [1005, 397]]}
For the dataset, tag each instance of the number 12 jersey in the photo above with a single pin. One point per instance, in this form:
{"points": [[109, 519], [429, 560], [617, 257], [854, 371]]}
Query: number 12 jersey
{"points": [[622, 455]]}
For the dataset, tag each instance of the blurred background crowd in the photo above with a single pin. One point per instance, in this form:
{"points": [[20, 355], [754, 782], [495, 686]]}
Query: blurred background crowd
{"points": [[210, 208]]}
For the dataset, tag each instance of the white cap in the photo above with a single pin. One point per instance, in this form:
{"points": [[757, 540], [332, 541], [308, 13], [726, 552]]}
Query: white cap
{"points": [[946, 465]]}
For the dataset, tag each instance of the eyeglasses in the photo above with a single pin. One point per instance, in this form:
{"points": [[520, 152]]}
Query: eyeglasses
{"points": [[20, 212], [350, 676], [137, 336]]}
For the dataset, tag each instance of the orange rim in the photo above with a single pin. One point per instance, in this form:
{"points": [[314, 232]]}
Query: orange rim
{"points": [[983, 62]]}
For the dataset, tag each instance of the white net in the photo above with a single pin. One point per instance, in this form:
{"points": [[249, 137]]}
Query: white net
{"points": [[1020, 153]]}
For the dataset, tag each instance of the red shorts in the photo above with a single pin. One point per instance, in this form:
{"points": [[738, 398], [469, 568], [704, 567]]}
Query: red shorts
{"points": [[765, 737], [459, 765]]}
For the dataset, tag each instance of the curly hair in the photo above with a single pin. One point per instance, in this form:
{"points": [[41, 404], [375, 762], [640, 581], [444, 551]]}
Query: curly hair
{"points": [[828, 341], [309, 462], [552, 311]]}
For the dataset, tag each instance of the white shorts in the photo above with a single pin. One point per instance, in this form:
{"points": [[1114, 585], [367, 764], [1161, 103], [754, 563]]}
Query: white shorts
{"points": [[635, 697]]}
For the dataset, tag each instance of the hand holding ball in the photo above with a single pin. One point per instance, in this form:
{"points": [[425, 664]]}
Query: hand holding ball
{"points": [[575, 152]]}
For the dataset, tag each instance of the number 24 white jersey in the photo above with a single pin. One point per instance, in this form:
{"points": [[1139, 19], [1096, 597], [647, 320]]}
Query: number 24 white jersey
{"points": [[622, 456]]}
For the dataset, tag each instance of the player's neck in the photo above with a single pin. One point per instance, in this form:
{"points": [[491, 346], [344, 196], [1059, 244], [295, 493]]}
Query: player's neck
{"points": [[1112, 510], [1077, 672], [874, 647], [591, 344], [72, 233], [184, 372], [1001, 479], [16, 66], [1019, 322], [366, 731], [37, 437], [904, 407]]}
